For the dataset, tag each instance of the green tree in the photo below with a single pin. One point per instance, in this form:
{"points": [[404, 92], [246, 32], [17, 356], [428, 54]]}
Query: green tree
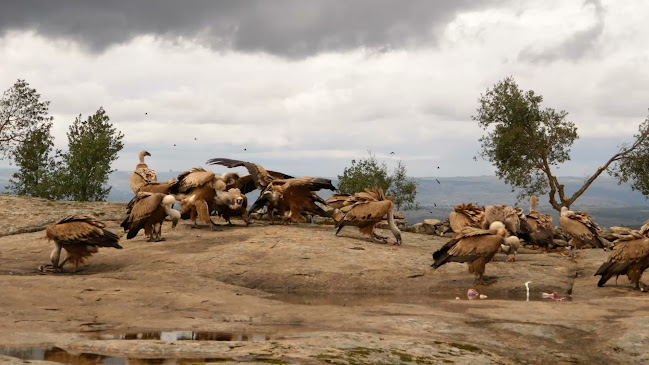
{"points": [[37, 165], [525, 142], [21, 112], [93, 146], [366, 173], [403, 189]]}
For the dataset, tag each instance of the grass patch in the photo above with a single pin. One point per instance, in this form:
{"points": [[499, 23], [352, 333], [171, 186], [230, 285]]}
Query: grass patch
{"points": [[271, 361], [466, 347], [402, 356]]}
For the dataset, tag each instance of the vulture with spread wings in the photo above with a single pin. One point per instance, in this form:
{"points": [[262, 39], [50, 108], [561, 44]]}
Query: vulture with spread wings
{"points": [[367, 209], [258, 177], [80, 236], [279, 191], [295, 196], [474, 246], [582, 229], [148, 211]]}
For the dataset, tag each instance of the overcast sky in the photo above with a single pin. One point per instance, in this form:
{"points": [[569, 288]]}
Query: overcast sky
{"points": [[305, 86]]}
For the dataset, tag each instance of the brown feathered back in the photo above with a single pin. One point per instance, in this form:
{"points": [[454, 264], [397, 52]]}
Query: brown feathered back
{"points": [[80, 236], [466, 215]]}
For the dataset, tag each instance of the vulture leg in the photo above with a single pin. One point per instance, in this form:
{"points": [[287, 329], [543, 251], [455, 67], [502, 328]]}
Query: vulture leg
{"points": [[55, 256], [270, 215], [63, 263], [245, 217], [379, 238]]}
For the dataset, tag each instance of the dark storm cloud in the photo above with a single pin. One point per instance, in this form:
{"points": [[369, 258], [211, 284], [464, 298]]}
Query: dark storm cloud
{"points": [[576, 46], [293, 28]]}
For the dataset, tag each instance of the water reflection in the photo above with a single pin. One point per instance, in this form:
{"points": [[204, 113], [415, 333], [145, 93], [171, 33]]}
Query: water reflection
{"points": [[56, 354], [363, 299], [184, 336]]}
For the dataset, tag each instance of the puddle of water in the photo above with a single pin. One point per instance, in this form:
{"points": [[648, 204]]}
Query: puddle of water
{"points": [[360, 299], [56, 354], [184, 336]]}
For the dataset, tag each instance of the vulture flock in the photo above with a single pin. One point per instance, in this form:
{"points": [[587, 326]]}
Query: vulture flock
{"points": [[480, 232]]}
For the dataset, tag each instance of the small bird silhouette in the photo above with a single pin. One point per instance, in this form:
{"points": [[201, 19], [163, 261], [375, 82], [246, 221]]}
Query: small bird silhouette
{"points": [[434, 205], [174, 145], [194, 138], [146, 113], [438, 181], [437, 166], [245, 149], [392, 153]]}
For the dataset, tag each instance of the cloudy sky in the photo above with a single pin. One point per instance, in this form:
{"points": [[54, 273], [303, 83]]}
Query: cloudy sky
{"points": [[305, 86]]}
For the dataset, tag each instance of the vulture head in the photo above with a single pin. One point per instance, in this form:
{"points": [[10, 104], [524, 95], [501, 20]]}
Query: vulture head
{"points": [[564, 211], [217, 184], [273, 196], [499, 227], [167, 202], [397, 236], [232, 198], [230, 178]]}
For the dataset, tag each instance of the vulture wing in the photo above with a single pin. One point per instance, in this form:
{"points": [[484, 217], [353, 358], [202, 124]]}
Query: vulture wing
{"points": [[624, 255], [370, 211], [192, 178], [247, 184], [311, 183], [579, 225], [543, 220], [81, 230], [140, 208], [260, 176], [644, 230], [338, 200], [279, 175], [470, 248], [147, 174], [468, 245]]}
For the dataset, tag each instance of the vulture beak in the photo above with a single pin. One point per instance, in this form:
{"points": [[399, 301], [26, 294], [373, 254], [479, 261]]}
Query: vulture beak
{"points": [[146, 153]]}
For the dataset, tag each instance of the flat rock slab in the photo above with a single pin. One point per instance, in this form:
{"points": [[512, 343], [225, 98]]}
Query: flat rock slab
{"points": [[316, 298]]}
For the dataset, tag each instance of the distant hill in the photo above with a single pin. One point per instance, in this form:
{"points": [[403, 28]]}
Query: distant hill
{"points": [[610, 203]]}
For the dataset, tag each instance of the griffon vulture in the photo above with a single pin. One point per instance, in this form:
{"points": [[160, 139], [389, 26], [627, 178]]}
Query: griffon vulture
{"points": [[231, 203], [630, 257], [80, 236], [295, 196], [474, 246], [368, 209], [540, 236], [504, 214], [537, 219], [148, 211], [142, 174], [196, 189], [582, 229], [466, 215]]}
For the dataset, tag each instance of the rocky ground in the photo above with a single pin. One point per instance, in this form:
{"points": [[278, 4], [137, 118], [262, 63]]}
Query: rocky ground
{"points": [[297, 294]]}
